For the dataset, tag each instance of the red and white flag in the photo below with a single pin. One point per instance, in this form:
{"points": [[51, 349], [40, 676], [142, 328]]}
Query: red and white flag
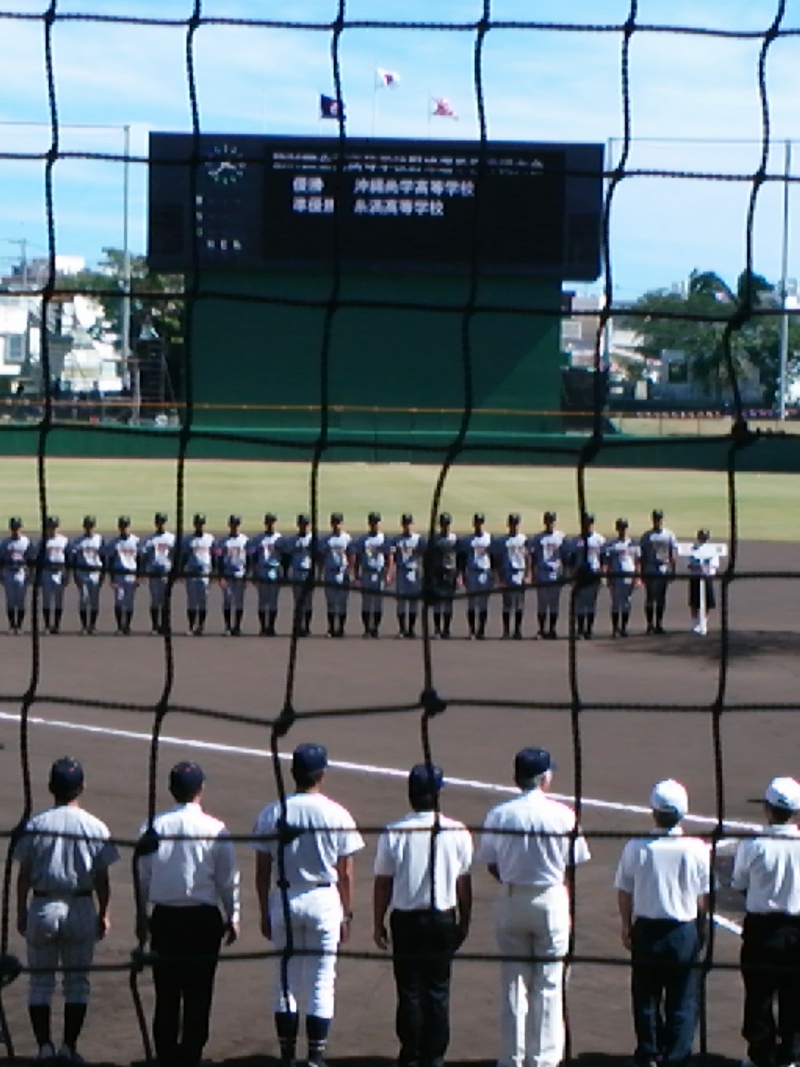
{"points": [[387, 79], [442, 108]]}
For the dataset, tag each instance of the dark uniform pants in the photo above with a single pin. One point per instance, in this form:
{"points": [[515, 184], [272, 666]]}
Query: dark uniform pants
{"points": [[664, 989], [186, 942], [770, 963], [423, 943]]}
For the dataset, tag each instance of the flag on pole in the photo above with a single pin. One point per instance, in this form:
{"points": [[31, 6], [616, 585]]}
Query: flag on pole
{"points": [[329, 107], [442, 108], [387, 79]]}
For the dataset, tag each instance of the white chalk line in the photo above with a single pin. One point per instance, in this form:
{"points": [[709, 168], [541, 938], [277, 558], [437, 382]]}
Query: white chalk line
{"points": [[368, 768]]}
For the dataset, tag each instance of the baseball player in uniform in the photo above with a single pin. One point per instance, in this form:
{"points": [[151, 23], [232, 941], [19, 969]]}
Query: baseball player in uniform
{"points": [[372, 566], [529, 844], [53, 579], [64, 854], [586, 562], [767, 870], [311, 907], [422, 870], [476, 566], [86, 560], [298, 552], [158, 553], [122, 563], [659, 550], [192, 883], [663, 883], [409, 552], [703, 563], [197, 562], [14, 555], [513, 568], [441, 574], [335, 571], [231, 555], [266, 565], [547, 561], [621, 564]]}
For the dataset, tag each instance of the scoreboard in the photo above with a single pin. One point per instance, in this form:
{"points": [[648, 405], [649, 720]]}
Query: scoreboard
{"points": [[268, 202]]}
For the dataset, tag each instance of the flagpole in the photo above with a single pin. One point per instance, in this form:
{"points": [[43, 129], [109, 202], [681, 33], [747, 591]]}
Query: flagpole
{"points": [[374, 95], [428, 106]]}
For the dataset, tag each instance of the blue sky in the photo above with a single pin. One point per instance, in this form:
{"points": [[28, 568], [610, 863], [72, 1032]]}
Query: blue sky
{"points": [[687, 92]]}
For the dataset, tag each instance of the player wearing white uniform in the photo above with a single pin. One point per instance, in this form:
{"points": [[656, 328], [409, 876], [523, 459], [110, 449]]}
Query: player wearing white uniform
{"points": [[621, 565], [529, 845], [122, 563], [767, 870], [513, 570], [51, 554], [231, 557], [298, 551], [547, 559], [422, 870], [158, 553], [372, 569], [586, 564], [64, 854], [476, 566], [409, 551], [196, 564], [266, 565], [659, 549], [441, 574], [86, 561], [335, 570], [703, 564], [309, 912], [14, 555], [663, 882]]}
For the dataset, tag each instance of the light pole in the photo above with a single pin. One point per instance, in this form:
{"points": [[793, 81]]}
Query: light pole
{"points": [[783, 347]]}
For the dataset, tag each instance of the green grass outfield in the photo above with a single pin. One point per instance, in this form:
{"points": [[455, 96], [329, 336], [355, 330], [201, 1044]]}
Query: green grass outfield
{"points": [[108, 488]]}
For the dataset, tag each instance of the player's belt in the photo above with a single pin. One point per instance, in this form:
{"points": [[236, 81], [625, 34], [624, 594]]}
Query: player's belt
{"points": [[303, 885], [56, 893]]}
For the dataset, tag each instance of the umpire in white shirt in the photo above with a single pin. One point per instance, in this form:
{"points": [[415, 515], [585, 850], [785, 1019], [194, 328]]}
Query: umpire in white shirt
{"points": [[529, 844], [767, 870], [187, 871], [663, 882], [422, 869]]}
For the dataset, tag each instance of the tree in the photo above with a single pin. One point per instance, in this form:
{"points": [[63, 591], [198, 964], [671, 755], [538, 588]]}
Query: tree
{"points": [[695, 323]]}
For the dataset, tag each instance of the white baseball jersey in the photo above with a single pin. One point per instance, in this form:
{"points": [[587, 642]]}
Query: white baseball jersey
{"points": [[298, 548], [335, 548], [65, 864], [122, 556], [14, 556], [373, 552], [55, 553], [265, 552], [477, 553], [409, 550], [588, 551], [231, 553], [547, 551], [311, 858], [513, 553], [157, 553], [703, 560], [659, 548], [621, 555], [197, 554], [86, 556]]}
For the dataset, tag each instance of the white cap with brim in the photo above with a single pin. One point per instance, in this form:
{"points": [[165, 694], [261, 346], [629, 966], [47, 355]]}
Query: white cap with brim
{"points": [[670, 797], [783, 793]]}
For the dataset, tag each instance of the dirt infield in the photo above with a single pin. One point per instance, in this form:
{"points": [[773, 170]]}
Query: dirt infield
{"points": [[619, 753]]}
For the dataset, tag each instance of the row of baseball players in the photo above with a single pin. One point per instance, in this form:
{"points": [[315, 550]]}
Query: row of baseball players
{"points": [[411, 565], [188, 902]]}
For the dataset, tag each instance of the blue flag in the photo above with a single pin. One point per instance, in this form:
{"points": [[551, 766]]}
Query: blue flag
{"points": [[329, 107]]}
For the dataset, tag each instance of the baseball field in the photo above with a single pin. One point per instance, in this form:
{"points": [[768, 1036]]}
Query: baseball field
{"points": [[616, 715]]}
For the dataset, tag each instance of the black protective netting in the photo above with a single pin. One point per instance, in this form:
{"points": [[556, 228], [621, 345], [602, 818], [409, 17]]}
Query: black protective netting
{"points": [[423, 698]]}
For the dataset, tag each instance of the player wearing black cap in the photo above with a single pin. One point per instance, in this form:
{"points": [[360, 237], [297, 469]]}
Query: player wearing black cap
{"points": [[15, 552], [335, 569], [64, 854], [86, 561], [187, 872], [585, 559], [621, 563], [409, 552], [231, 558], [157, 558], [475, 562], [372, 569], [659, 551], [266, 566], [197, 561], [547, 554], [513, 569], [52, 556], [702, 563], [441, 574], [299, 556], [122, 563]]}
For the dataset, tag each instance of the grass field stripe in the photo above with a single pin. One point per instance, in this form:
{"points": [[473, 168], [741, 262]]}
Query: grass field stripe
{"points": [[358, 768]]}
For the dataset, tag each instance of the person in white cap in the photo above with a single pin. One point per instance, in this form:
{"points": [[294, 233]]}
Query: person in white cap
{"points": [[663, 882], [530, 843], [767, 870]]}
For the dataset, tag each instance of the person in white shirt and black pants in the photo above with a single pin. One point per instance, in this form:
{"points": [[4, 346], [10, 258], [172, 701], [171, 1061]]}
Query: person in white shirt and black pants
{"points": [[663, 882], [187, 870], [530, 844], [422, 871], [767, 870]]}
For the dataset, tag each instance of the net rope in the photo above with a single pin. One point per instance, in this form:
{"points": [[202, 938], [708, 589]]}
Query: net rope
{"points": [[429, 702]]}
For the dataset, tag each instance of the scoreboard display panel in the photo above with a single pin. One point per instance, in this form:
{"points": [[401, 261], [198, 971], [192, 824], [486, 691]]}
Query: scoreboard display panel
{"points": [[261, 203]]}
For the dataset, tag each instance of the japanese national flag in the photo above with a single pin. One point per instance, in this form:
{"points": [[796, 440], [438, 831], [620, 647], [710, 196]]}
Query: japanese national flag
{"points": [[387, 79], [443, 108]]}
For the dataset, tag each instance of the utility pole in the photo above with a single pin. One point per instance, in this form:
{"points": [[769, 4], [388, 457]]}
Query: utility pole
{"points": [[23, 256]]}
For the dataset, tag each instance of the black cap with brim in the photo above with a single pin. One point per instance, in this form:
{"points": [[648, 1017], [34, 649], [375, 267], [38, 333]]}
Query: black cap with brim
{"points": [[406, 517], [89, 520], [199, 519]]}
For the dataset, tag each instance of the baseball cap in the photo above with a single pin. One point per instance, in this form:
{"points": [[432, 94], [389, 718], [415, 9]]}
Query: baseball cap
{"points": [[669, 797], [703, 535], [529, 762], [199, 519], [186, 778], [425, 778], [66, 775], [658, 513], [269, 517], [406, 517], [337, 516], [89, 520], [622, 522], [234, 520], [445, 518], [52, 520], [14, 523], [588, 518], [309, 758], [124, 520], [303, 519], [515, 517], [160, 516], [374, 516], [479, 517], [550, 516], [783, 793]]}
